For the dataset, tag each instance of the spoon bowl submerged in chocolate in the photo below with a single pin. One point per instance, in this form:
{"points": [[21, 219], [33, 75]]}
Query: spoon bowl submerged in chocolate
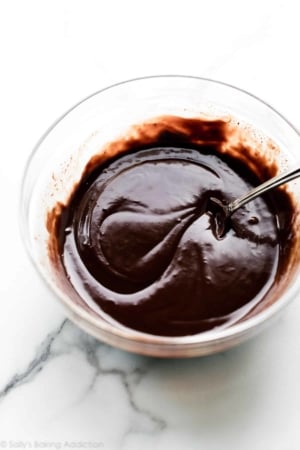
{"points": [[222, 211]]}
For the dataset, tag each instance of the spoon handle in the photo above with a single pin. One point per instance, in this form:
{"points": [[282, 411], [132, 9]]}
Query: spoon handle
{"points": [[262, 188]]}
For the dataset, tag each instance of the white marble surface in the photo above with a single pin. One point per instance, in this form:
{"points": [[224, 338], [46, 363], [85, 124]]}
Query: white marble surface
{"points": [[59, 388]]}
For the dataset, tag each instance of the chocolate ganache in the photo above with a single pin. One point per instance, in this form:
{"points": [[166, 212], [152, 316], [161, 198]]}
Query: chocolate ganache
{"points": [[137, 236]]}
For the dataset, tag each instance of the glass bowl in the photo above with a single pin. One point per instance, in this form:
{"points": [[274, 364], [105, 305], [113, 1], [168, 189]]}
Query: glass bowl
{"points": [[61, 154]]}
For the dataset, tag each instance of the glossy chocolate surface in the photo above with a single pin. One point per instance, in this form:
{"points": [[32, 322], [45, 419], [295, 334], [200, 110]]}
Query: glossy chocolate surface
{"points": [[137, 236]]}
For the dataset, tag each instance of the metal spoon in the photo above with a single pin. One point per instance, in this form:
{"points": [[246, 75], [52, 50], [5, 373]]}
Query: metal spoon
{"points": [[222, 212]]}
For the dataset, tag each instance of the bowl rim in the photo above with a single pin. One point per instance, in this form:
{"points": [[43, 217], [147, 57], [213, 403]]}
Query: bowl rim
{"points": [[86, 320]]}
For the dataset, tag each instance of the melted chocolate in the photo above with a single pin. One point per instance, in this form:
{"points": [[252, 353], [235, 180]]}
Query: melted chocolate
{"points": [[137, 236]]}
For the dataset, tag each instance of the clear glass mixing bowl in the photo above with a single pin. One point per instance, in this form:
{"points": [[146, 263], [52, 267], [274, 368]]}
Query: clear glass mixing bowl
{"points": [[61, 154]]}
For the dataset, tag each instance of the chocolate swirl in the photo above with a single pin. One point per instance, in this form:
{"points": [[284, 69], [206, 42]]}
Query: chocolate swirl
{"points": [[137, 239]]}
